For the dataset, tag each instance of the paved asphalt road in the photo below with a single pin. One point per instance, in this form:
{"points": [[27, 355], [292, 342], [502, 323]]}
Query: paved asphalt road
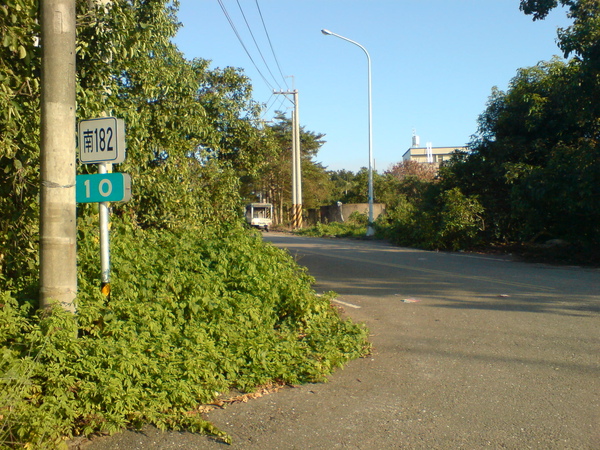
{"points": [[470, 351]]}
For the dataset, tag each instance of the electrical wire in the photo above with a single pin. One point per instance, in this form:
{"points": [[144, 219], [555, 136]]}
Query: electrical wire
{"points": [[242, 42], [256, 44], [282, 101], [271, 44], [269, 107], [233, 27]]}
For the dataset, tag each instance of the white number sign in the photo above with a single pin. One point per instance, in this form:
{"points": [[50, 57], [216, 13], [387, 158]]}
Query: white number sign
{"points": [[102, 140]]}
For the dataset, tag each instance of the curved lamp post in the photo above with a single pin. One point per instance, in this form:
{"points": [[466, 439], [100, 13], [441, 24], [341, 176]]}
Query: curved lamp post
{"points": [[370, 229]]}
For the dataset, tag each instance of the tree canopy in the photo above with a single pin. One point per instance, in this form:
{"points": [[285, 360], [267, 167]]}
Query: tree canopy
{"points": [[274, 178], [582, 38], [535, 161], [191, 130]]}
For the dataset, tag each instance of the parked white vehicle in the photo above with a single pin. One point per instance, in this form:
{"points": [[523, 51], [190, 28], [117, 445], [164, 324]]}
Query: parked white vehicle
{"points": [[259, 215]]}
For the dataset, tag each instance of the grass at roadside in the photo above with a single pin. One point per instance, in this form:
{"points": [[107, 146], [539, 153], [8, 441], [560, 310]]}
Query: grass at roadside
{"points": [[354, 227]]}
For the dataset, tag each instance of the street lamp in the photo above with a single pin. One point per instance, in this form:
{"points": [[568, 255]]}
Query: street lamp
{"points": [[370, 229]]}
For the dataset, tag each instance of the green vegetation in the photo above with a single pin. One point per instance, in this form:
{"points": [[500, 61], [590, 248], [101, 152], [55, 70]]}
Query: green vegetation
{"points": [[533, 170], [274, 179], [420, 211], [354, 227], [192, 314], [535, 162], [431, 218], [199, 304]]}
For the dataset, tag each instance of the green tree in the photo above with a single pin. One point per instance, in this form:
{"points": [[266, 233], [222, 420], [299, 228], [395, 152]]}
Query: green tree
{"points": [[316, 185], [356, 190], [275, 176], [534, 166], [343, 182], [199, 305], [19, 139], [190, 132], [582, 38], [187, 124], [535, 163]]}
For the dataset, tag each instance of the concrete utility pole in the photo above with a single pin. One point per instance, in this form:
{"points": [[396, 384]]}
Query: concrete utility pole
{"points": [[58, 229], [296, 162]]}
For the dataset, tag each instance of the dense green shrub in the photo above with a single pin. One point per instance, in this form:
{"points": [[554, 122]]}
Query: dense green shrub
{"points": [[460, 220], [434, 219], [355, 226], [535, 161], [191, 315]]}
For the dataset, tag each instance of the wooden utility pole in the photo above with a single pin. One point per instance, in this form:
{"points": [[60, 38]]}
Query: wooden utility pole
{"points": [[58, 230]]}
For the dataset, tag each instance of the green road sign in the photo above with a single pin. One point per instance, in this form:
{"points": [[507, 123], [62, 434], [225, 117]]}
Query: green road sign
{"points": [[103, 187]]}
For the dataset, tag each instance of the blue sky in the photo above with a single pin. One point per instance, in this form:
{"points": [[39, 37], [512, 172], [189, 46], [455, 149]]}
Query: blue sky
{"points": [[434, 63]]}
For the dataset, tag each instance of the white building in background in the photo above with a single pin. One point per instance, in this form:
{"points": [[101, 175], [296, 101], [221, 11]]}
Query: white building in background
{"points": [[429, 154]]}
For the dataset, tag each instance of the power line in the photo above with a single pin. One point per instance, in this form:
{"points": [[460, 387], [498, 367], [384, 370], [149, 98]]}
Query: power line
{"points": [[270, 43], [268, 108], [233, 27], [242, 42], [256, 43]]}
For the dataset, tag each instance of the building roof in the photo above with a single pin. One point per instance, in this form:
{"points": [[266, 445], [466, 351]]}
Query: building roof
{"points": [[422, 151]]}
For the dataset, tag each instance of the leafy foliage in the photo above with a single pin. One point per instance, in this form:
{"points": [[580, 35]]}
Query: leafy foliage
{"points": [[274, 178], [19, 137], [198, 305], [582, 38], [419, 211], [189, 129], [192, 314], [354, 227], [535, 163], [425, 215], [354, 188]]}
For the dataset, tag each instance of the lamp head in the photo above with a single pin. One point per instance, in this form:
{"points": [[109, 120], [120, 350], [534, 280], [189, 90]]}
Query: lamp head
{"points": [[326, 32]]}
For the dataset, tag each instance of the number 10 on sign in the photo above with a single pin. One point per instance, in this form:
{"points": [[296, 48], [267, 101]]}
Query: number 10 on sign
{"points": [[103, 187]]}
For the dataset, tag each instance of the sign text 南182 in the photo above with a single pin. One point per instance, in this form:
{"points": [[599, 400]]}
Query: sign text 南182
{"points": [[102, 140]]}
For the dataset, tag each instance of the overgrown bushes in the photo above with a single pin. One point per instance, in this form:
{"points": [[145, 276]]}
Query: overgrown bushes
{"points": [[198, 305], [192, 314], [434, 219], [355, 226], [420, 215]]}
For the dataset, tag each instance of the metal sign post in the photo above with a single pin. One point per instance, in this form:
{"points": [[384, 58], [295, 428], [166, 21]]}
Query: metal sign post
{"points": [[102, 142], [104, 239]]}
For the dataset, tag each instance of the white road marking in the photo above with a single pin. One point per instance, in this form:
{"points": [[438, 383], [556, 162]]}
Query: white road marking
{"points": [[350, 305]]}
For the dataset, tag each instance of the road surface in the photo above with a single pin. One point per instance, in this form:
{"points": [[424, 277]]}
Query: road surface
{"points": [[470, 351]]}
